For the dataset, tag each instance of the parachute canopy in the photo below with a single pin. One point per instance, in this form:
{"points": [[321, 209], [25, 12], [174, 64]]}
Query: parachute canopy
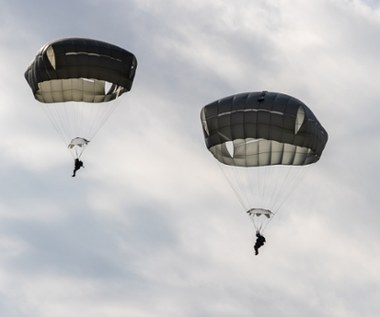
{"points": [[261, 129], [76, 69]]}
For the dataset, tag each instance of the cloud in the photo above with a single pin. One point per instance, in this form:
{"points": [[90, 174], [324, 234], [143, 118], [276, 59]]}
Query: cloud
{"points": [[150, 227]]}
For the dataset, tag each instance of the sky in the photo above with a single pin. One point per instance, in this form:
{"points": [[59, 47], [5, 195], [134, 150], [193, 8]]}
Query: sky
{"points": [[150, 227]]}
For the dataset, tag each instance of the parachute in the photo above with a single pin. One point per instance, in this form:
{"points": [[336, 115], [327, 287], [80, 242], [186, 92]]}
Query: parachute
{"points": [[263, 141], [259, 217], [78, 82]]}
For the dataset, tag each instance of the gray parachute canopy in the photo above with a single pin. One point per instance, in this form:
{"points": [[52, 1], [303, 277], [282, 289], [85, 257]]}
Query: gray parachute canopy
{"points": [[77, 69], [262, 128]]}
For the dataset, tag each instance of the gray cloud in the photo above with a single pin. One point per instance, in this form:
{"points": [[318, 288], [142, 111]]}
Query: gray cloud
{"points": [[150, 227]]}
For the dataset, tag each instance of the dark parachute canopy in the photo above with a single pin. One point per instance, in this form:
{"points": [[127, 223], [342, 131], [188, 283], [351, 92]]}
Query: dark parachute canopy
{"points": [[62, 70], [265, 128], [75, 79], [252, 134]]}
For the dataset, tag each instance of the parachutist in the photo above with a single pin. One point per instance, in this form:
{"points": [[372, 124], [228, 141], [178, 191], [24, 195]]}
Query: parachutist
{"points": [[260, 240], [91, 74], [77, 165]]}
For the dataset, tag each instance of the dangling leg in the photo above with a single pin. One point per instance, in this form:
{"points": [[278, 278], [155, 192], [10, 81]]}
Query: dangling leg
{"points": [[76, 162]]}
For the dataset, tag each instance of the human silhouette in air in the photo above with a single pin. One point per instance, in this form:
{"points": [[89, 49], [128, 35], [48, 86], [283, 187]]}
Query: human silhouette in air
{"points": [[77, 165], [260, 240]]}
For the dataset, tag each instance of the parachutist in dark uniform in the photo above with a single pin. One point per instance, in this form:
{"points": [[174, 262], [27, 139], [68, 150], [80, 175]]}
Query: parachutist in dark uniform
{"points": [[77, 165], [260, 240]]}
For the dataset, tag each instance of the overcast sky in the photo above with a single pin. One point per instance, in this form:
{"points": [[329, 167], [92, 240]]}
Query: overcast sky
{"points": [[150, 227]]}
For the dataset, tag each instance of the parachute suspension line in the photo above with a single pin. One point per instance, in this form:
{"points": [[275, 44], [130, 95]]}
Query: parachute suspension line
{"points": [[93, 112], [295, 182], [252, 188], [258, 191], [267, 182], [257, 227], [52, 115], [102, 116], [249, 187], [261, 195], [233, 187], [60, 113], [286, 181], [265, 225], [59, 120], [69, 120], [278, 184]]}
